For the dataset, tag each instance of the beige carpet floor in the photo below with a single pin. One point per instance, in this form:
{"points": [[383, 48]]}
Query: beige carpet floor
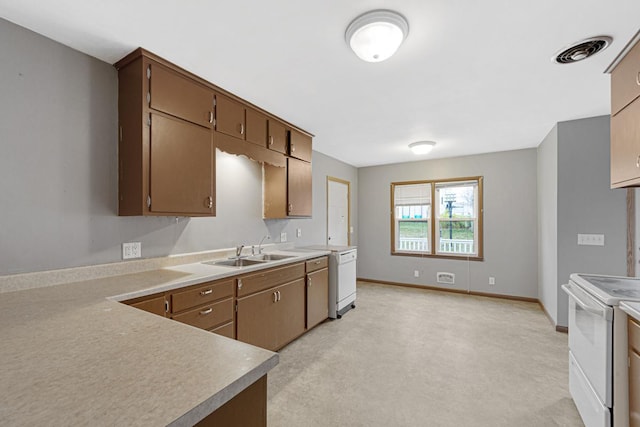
{"points": [[413, 357]]}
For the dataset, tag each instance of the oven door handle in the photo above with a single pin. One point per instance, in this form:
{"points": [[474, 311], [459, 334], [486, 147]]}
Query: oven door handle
{"points": [[593, 310]]}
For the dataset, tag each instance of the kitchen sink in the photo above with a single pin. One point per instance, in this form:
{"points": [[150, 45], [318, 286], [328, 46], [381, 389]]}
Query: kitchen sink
{"points": [[240, 262], [271, 257]]}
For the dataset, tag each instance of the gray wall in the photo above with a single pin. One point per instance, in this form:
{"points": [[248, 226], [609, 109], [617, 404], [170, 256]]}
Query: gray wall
{"points": [[586, 204], [58, 170], [510, 224], [548, 223]]}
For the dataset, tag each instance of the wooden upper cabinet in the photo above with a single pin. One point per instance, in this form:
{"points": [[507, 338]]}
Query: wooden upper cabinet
{"points": [[300, 146], [182, 167], [298, 188], [229, 116], [277, 136], [625, 120], [256, 132], [625, 80], [179, 96]]}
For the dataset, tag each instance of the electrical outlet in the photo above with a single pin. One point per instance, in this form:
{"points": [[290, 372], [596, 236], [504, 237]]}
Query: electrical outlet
{"points": [[131, 250], [283, 237], [492, 281], [416, 273], [299, 232]]}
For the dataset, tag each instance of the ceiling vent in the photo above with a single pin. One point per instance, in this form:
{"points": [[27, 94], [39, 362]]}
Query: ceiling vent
{"points": [[581, 50]]}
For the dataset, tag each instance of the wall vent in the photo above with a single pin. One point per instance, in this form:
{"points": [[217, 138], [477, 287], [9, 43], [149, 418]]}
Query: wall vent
{"points": [[448, 278]]}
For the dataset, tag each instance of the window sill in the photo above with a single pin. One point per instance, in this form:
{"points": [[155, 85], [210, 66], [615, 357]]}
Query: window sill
{"points": [[423, 255]]}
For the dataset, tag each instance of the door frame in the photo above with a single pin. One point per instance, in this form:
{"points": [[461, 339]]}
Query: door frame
{"points": [[348, 184]]}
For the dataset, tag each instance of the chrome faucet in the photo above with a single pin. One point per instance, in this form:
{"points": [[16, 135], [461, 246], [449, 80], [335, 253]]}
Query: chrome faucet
{"points": [[239, 250], [260, 244]]}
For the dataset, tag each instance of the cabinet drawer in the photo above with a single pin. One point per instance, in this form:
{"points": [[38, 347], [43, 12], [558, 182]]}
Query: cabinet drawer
{"points": [[625, 80], [300, 146], [317, 264], [201, 294], [179, 96], [226, 330], [208, 316], [263, 280], [625, 145], [634, 335]]}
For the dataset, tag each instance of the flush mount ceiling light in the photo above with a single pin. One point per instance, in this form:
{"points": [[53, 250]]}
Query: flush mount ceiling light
{"points": [[376, 35], [422, 147], [581, 50]]}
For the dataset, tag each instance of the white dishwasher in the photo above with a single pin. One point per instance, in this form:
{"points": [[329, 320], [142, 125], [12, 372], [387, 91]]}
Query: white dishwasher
{"points": [[342, 282]]}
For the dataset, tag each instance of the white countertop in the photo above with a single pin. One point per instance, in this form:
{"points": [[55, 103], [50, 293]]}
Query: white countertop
{"points": [[631, 308], [72, 355]]}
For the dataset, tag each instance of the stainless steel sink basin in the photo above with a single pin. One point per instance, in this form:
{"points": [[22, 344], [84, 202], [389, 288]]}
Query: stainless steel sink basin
{"points": [[271, 257], [241, 262]]}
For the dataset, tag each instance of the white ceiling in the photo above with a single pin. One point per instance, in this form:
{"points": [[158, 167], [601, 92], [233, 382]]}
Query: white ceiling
{"points": [[475, 76]]}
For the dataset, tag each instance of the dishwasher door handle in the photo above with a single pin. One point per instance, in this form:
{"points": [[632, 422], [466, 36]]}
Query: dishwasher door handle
{"points": [[598, 311]]}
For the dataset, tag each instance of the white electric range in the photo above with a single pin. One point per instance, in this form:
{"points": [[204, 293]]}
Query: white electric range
{"points": [[598, 376]]}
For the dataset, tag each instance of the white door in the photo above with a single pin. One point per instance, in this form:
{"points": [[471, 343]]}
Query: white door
{"points": [[337, 212]]}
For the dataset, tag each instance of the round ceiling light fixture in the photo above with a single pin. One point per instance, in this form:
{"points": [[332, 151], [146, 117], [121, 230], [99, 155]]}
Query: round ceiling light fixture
{"points": [[422, 147], [376, 35]]}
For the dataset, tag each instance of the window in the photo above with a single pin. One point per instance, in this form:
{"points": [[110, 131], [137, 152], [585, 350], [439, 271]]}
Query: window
{"points": [[450, 226]]}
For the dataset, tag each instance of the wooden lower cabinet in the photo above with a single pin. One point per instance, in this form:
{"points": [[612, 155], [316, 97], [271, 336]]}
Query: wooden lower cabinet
{"points": [[227, 330], [247, 409], [634, 389], [154, 304], [317, 297], [273, 317]]}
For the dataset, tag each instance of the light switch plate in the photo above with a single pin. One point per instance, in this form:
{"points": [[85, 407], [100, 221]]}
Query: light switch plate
{"points": [[591, 239], [283, 237]]}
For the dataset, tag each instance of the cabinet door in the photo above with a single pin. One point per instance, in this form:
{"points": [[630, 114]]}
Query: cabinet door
{"points": [[625, 80], [257, 319], [153, 305], [179, 96], [634, 389], [317, 297], [229, 117], [625, 145], [182, 167], [256, 128], [300, 146], [277, 136], [298, 188], [290, 311], [275, 191]]}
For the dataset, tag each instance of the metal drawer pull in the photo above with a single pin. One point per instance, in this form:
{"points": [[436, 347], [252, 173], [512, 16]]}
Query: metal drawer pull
{"points": [[207, 311], [275, 297], [317, 262], [207, 292], [279, 296]]}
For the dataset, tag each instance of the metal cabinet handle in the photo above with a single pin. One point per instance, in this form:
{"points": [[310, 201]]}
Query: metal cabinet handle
{"points": [[638, 78], [207, 292], [210, 116], [241, 129], [290, 208], [239, 283], [317, 262], [309, 281], [638, 161], [275, 297], [207, 311], [279, 296], [270, 140], [210, 202], [293, 148]]}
